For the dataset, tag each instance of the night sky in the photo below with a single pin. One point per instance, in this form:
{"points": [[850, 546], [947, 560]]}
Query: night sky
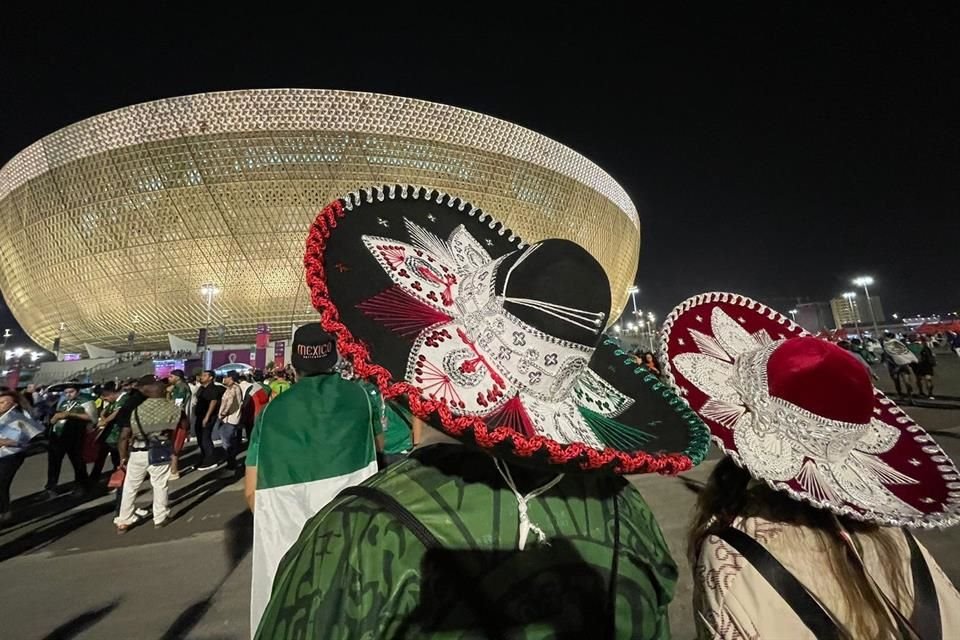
{"points": [[777, 151]]}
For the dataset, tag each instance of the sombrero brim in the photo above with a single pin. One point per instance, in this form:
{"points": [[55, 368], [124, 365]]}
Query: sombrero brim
{"points": [[912, 467], [657, 432]]}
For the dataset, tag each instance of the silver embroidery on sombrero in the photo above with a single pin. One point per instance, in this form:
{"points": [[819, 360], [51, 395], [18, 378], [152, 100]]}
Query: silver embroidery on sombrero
{"points": [[430, 269], [833, 461], [560, 421], [460, 250], [486, 355]]}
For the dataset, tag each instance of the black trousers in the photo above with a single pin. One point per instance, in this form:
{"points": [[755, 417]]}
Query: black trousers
{"points": [[205, 440], [231, 434], [68, 443], [8, 468]]}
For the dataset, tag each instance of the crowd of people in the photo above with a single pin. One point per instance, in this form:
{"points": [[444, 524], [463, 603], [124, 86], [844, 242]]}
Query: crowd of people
{"points": [[141, 426], [910, 361]]}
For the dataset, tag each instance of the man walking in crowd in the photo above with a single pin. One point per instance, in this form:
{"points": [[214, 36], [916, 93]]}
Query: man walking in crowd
{"points": [[75, 413], [231, 405], [926, 363], [151, 424], [179, 390], [255, 398], [308, 444], [899, 361], [206, 412], [108, 431], [181, 394]]}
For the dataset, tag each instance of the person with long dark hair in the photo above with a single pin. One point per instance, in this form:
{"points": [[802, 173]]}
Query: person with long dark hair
{"points": [[649, 361], [802, 529]]}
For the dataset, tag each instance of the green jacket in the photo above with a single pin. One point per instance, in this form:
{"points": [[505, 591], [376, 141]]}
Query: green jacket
{"points": [[356, 572]]}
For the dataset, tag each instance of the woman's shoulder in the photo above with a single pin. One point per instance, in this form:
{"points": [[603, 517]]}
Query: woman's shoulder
{"points": [[764, 531], [719, 564]]}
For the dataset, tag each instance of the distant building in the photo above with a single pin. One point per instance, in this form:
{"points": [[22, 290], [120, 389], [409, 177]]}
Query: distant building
{"points": [[815, 316], [856, 311]]}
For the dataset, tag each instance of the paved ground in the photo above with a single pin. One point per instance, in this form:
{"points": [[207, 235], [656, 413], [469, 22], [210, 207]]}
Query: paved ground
{"points": [[66, 574]]}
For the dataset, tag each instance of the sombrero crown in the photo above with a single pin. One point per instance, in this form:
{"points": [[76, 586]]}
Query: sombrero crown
{"points": [[494, 341]]}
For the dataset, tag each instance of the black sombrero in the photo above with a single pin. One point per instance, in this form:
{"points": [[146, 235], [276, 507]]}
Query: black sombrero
{"points": [[494, 341]]}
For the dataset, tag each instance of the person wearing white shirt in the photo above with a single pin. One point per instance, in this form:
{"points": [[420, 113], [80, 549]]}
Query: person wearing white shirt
{"points": [[230, 409]]}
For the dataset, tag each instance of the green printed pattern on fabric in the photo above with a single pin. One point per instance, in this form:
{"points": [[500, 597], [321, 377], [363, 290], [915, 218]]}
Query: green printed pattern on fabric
{"points": [[398, 437], [356, 572]]}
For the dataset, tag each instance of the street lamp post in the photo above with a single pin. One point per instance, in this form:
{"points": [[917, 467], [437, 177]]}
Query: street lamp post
{"points": [[793, 315], [866, 281], [633, 291], [851, 299], [208, 290], [63, 325], [652, 320]]}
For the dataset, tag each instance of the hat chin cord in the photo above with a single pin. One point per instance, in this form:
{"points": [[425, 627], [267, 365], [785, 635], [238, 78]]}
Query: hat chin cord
{"points": [[525, 525]]}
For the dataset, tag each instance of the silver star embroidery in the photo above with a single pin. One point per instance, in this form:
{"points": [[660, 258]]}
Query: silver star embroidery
{"points": [[681, 342], [382, 222], [432, 218], [927, 500], [914, 462], [489, 242], [699, 318]]}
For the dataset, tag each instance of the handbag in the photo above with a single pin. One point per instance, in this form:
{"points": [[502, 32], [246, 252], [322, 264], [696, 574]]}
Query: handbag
{"points": [[159, 448], [117, 478]]}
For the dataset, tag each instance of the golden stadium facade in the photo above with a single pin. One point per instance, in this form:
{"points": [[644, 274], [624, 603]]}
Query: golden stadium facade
{"points": [[113, 224]]}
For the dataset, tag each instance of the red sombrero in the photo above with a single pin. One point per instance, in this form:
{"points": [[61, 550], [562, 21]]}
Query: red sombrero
{"points": [[802, 415], [494, 341]]}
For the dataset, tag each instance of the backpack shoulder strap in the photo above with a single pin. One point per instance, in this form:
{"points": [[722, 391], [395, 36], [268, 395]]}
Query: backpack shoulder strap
{"points": [[136, 416], [397, 510], [811, 612], [925, 618]]}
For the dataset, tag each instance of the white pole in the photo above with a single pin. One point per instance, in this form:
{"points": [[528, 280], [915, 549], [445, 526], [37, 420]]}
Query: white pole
{"points": [[207, 353]]}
